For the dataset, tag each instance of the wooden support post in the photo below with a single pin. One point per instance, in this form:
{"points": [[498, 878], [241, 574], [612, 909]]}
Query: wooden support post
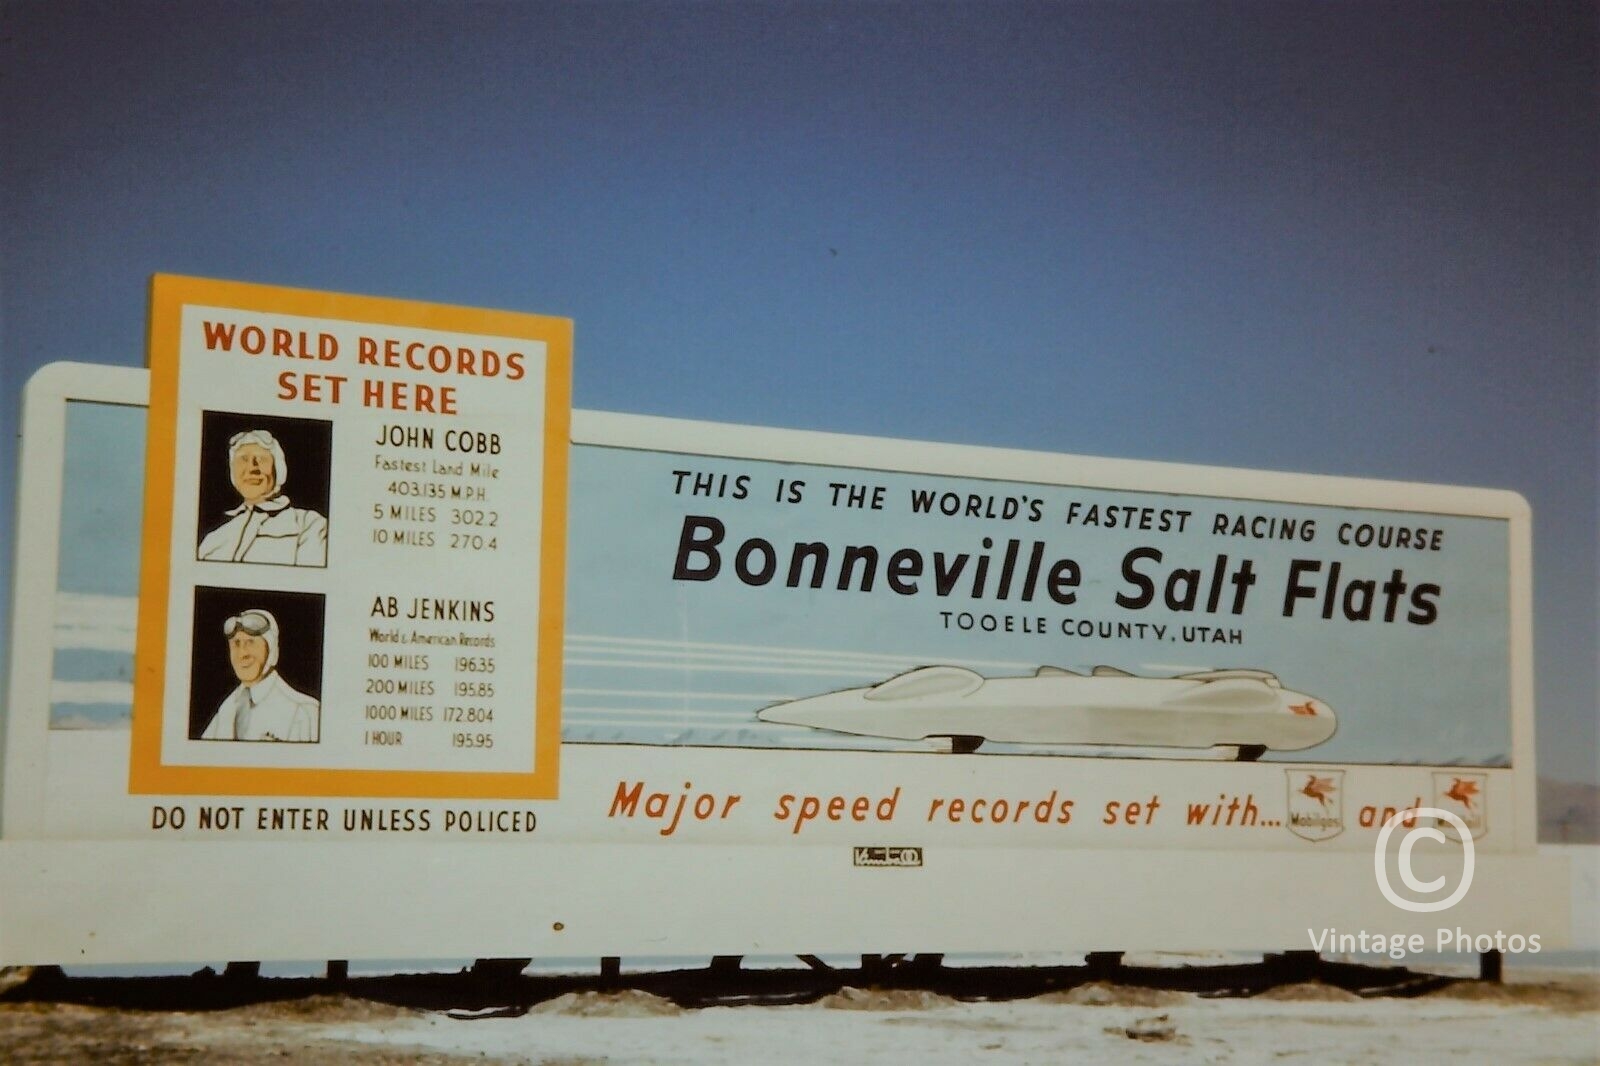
{"points": [[242, 970], [1292, 967], [338, 971], [1491, 966], [610, 971], [498, 969], [49, 974], [1103, 963]]}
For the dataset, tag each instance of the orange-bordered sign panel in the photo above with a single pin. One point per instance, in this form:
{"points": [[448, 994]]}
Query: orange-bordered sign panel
{"points": [[353, 569]]}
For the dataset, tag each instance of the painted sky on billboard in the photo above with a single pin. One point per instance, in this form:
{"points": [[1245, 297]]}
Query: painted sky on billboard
{"points": [[1355, 239], [646, 570], [661, 650]]}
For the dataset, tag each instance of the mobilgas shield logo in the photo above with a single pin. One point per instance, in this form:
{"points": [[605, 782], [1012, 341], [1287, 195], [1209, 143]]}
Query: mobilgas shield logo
{"points": [[1316, 803]]}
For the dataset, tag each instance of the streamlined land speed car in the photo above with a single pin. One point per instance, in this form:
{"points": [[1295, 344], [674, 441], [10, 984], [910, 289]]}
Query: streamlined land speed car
{"points": [[1241, 708]]}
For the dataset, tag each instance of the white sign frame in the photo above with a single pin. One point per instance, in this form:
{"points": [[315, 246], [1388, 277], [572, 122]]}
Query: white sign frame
{"points": [[58, 904]]}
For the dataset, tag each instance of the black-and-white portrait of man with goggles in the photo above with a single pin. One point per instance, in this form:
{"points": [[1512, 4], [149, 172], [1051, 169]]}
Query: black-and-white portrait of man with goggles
{"points": [[263, 706], [264, 527]]}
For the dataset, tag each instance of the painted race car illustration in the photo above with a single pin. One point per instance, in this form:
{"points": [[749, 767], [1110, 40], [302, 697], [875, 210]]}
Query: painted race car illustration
{"points": [[1242, 708]]}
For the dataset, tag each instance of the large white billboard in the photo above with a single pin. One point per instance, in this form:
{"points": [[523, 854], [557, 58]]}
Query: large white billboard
{"points": [[825, 693]]}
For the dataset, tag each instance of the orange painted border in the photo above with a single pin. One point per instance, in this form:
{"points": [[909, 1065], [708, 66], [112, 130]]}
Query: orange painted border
{"points": [[147, 774]]}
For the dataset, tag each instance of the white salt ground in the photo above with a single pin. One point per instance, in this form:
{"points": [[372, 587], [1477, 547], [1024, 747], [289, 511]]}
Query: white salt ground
{"points": [[1309, 1025]]}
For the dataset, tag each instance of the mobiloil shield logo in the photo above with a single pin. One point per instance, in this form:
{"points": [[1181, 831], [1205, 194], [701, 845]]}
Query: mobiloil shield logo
{"points": [[1316, 803], [1465, 796]]}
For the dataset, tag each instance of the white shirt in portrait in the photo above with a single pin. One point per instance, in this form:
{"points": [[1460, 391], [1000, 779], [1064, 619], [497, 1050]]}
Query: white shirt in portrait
{"points": [[271, 531], [268, 710]]}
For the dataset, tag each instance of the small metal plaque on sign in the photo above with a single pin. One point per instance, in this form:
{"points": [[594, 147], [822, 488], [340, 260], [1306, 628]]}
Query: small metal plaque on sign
{"points": [[886, 855]]}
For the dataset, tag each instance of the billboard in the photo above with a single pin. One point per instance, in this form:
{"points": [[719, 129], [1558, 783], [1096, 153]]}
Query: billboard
{"points": [[976, 699]]}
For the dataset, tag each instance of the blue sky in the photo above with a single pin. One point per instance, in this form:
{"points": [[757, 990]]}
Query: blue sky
{"points": [[1341, 239]]}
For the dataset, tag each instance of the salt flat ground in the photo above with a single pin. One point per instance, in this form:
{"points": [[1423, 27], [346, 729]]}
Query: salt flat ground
{"points": [[1535, 1018]]}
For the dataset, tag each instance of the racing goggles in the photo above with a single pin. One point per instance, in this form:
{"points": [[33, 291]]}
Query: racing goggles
{"points": [[252, 622]]}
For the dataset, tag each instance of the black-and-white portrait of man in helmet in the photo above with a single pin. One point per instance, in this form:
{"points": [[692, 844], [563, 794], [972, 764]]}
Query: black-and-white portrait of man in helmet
{"points": [[263, 706], [265, 527]]}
